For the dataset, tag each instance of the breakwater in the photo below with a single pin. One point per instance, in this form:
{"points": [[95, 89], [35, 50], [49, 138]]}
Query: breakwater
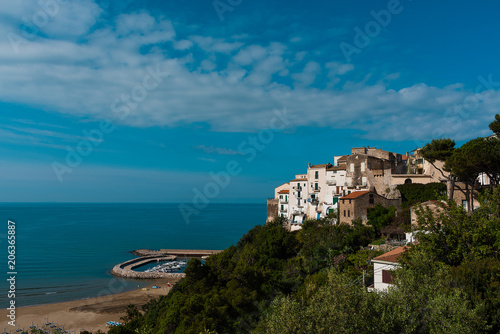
{"points": [[126, 269]]}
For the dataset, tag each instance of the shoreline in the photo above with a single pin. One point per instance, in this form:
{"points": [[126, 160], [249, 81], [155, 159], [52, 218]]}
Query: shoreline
{"points": [[89, 314]]}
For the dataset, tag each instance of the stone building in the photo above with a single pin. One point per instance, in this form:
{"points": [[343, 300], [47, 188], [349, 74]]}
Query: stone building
{"points": [[421, 171], [272, 209], [372, 168], [464, 195], [356, 205]]}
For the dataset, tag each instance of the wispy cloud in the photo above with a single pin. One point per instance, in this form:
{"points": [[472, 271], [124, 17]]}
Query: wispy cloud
{"points": [[217, 150], [207, 159]]}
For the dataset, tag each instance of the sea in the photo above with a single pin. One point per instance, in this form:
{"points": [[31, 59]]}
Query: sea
{"points": [[65, 251]]}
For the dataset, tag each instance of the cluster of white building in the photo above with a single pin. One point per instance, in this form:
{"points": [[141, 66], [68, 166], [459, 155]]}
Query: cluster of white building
{"points": [[341, 186]]}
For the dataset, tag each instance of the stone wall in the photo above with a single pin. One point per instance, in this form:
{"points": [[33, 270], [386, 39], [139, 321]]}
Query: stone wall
{"points": [[272, 209], [351, 209]]}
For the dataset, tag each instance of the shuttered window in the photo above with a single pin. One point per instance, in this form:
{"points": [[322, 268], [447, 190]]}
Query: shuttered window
{"points": [[387, 276]]}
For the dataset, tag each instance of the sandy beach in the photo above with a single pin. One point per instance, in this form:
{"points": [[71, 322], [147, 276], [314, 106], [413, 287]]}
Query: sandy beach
{"points": [[87, 314]]}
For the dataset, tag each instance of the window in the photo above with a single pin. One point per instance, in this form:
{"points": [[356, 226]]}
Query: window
{"points": [[363, 181], [316, 174], [316, 186], [344, 213], [352, 168], [371, 199], [286, 198], [362, 166], [349, 201], [335, 200], [282, 207], [348, 213], [281, 196], [298, 202], [387, 276]]}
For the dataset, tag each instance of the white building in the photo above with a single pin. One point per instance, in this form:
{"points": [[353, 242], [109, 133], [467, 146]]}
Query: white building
{"points": [[318, 190], [335, 183], [299, 192], [283, 203], [383, 268]]}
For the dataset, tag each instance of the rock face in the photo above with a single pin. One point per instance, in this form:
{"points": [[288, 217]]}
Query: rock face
{"points": [[126, 269]]}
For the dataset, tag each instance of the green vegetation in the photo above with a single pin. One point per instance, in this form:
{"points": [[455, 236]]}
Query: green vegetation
{"points": [[310, 281], [314, 280], [415, 193], [230, 292], [448, 283]]}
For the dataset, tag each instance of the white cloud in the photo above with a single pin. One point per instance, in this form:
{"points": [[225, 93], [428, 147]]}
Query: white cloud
{"points": [[217, 150], [183, 44], [250, 54], [210, 44], [55, 19], [308, 75], [234, 87]]}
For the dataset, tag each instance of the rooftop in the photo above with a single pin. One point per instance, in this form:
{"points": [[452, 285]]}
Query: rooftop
{"points": [[284, 191], [342, 158], [336, 168], [320, 166], [393, 255], [355, 194]]}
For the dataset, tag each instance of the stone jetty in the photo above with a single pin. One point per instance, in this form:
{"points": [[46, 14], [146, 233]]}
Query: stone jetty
{"points": [[126, 269]]}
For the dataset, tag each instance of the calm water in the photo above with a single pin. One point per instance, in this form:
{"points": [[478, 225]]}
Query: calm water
{"points": [[66, 251]]}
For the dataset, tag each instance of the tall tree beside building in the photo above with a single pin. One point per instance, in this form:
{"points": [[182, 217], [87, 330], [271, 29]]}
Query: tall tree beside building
{"points": [[441, 150]]}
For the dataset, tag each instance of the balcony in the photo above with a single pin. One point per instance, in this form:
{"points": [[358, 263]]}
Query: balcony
{"points": [[284, 210], [284, 202]]}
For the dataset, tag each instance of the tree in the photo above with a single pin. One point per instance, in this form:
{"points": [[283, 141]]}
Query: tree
{"points": [[495, 125], [380, 217], [132, 313], [440, 150]]}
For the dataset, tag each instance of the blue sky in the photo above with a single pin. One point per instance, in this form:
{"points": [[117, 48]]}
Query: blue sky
{"points": [[144, 101]]}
